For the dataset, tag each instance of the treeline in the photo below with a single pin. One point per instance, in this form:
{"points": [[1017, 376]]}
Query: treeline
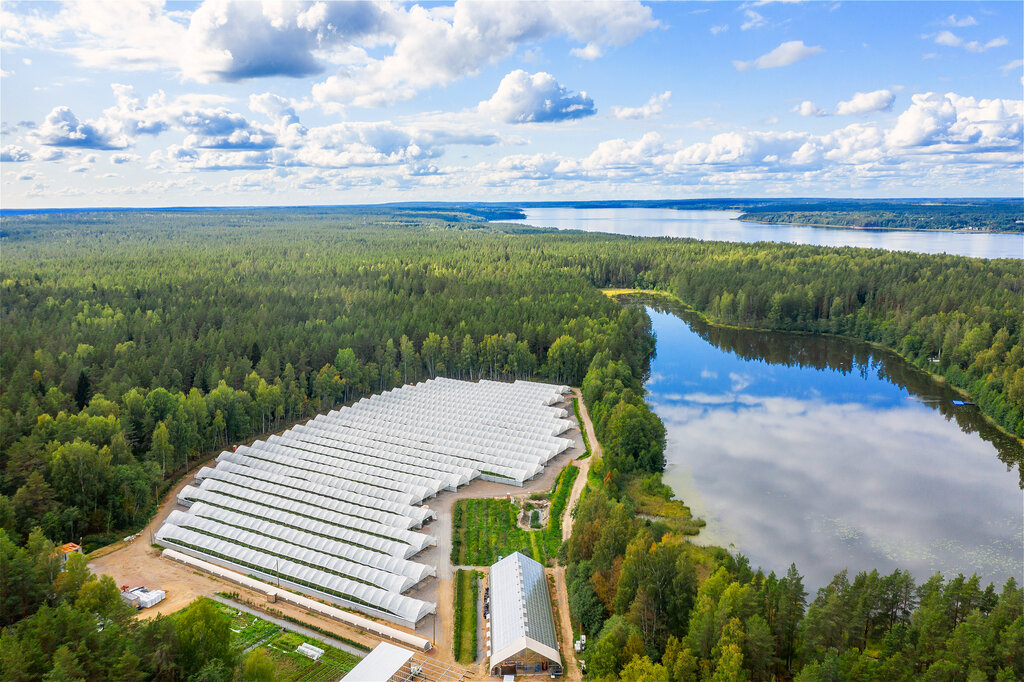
{"points": [[657, 608], [71, 626], [919, 217], [632, 435]]}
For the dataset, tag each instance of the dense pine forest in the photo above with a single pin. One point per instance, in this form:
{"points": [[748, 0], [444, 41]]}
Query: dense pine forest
{"points": [[136, 343]]}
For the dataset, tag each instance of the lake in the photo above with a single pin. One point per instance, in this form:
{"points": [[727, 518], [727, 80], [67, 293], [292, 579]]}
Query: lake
{"points": [[723, 226], [832, 454]]}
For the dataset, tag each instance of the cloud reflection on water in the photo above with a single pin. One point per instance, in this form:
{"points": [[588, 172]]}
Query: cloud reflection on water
{"points": [[835, 485]]}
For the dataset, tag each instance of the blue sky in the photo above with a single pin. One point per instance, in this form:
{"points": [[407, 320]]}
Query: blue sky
{"points": [[228, 103]]}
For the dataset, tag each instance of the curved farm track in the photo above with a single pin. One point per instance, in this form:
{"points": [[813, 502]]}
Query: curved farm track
{"points": [[572, 668]]}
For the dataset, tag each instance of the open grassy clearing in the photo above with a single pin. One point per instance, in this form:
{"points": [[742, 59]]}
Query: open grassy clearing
{"points": [[654, 501], [485, 529], [467, 594]]}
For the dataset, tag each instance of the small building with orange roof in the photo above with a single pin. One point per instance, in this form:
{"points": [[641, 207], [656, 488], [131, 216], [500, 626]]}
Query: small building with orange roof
{"points": [[66, 550]]}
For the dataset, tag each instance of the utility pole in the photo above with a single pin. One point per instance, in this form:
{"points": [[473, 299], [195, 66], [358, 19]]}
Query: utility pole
{"points": [[278, 560]]}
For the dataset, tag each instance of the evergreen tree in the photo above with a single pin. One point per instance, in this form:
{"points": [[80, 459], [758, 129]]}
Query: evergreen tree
{"points": [[83, 390]]}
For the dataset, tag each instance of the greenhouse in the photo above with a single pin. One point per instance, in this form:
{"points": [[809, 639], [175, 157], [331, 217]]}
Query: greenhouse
{"points": [[522, 637], [332, 508]]}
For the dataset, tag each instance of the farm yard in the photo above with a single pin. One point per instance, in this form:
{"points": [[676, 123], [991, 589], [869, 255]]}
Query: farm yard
{"points": [[485, 529]]}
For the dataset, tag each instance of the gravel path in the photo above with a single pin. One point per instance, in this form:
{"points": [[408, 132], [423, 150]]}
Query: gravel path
{"points": [[572, 670], [583, 464]]}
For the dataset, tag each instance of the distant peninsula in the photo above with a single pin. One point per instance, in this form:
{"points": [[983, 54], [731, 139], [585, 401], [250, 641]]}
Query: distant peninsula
{"points": [[973, 214]]}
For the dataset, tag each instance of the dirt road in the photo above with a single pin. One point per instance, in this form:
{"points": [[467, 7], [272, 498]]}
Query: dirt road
{"points": [[583, 464], [571, 668]]}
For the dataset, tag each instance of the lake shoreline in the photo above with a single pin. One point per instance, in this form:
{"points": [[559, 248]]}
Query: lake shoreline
{"points": [[869, 228], [938, 378], [725, 443]]}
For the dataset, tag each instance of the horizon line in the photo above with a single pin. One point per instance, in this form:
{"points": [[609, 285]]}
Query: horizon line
{"points": [[528, 203]]}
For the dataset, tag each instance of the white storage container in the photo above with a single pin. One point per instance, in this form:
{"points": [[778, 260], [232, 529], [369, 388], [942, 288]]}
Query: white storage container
{"points": [[151, 598]]}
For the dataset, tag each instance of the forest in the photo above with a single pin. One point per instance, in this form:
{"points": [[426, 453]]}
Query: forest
{"points": [[659, 609], [986, 217], [138, 343]]}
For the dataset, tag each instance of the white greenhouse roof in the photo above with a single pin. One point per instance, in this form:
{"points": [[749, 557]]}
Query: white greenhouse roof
{"points": [[380, 664], [330, 508], [520, 610]]}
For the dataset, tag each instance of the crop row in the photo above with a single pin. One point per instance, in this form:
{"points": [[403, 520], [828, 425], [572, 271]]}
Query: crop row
{"points": [[464, 639]]}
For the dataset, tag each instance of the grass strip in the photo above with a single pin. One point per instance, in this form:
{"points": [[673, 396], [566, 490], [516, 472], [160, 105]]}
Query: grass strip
{"points": [[583, 429]]}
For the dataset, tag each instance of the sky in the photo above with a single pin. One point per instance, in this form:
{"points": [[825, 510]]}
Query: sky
{"points": [[224, 102]]}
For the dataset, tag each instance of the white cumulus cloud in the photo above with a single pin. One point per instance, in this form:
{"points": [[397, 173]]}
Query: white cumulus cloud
{"points": [[654, 106], [14, 154], [808, 108], [950, 39], [785, 54], [61, 128], [866, 102], [970, 139], [434, 47], [952, 122], [379, 52], [535, 98]]}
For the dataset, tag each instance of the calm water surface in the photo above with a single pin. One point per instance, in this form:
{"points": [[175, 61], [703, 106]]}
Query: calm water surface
{"points": [[834, 455], [723, 226]]}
